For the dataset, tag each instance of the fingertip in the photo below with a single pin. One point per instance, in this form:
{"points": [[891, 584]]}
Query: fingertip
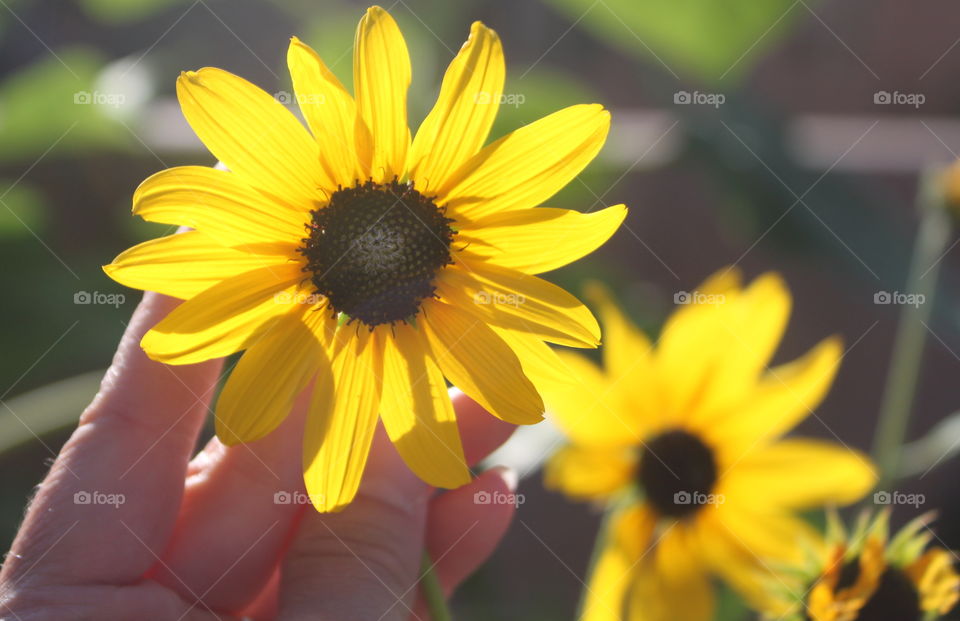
{"points": [[508, 475], [480, 431]]}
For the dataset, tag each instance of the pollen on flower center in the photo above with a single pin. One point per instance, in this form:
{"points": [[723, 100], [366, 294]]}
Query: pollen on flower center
{"points": [[375, 249], [677, 473]]}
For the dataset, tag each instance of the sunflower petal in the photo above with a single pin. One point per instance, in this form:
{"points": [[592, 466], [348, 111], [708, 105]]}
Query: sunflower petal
{"points": [[219, 321], [460, 121], [253, 135], [417, 412], [675, 585], [800, 474], [381, 77], [542, 239], [759, 535], [627, 352], [527, 166], [183, 265], [589, 473], [330, 113], [589, 408], [785, 396], [218, 203], [261, 388], [539, 361], [615, 570], [518, 301], [748, 334], [479, 363], [343, 416]]}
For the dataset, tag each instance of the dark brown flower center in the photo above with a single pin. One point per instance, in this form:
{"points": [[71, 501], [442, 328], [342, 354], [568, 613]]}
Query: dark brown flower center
{"points": [[677, 473], [895, 598], [375, 249]]}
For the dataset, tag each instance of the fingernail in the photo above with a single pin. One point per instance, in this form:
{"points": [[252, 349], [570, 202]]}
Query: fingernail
{"points": [[509, 476]]}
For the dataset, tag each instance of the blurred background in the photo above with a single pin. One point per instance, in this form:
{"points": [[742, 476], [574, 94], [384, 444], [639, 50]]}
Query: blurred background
{"points": [[783, 135]]}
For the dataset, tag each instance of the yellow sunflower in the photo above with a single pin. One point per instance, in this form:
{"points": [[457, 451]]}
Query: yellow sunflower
{"points": [[866, 576], [369, 264], [682, 442]]}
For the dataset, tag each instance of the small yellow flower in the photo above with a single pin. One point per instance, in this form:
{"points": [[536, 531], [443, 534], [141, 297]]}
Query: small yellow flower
{"points": [[866, 576], [683, 441], [366, 263]]}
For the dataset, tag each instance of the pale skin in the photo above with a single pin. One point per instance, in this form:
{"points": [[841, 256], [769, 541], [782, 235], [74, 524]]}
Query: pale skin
{"points": [[199, 537]]}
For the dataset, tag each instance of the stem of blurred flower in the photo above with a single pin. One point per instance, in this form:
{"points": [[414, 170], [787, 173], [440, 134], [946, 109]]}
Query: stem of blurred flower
{"points": [[904, 370], [432, 591], [603, 532]]}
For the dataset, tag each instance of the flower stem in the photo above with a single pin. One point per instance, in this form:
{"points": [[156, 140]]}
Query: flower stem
{"points": [[904, 370], [432, 591], [603, 532]]}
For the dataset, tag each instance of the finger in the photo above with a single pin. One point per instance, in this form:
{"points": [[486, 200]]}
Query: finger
{"points": [[388, 478], [359, 563], [108, 504], [374, 546], [266, 605], [464, 527], [239, 510]]}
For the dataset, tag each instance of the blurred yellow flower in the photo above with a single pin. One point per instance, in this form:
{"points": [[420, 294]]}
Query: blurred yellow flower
{"points": [[373, 265], [682, 441], [866, 576]]}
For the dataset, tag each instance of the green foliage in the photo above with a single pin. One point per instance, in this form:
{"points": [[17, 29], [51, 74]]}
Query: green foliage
{"points": [[124, 11], [21, 209], [51, 105], [703, 40]]}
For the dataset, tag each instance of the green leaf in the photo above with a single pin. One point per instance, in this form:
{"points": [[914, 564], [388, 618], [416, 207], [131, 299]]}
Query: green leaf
{"points": [[938, 446], [21, 210], [53, 106], [125, 11], [704, 40], [50, 408]]}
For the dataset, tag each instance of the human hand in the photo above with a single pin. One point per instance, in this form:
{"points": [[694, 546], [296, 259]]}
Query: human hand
{"points": [[127, 526]]}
